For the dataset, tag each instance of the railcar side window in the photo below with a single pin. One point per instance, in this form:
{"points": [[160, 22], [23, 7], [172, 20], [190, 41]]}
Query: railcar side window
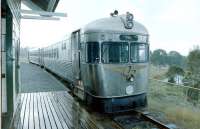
{"points": [[57, 53], [115, 52], [139, 52], [92, 52]]}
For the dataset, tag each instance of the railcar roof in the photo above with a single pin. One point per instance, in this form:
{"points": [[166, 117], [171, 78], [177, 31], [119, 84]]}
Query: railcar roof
{"points": [[113, 24]]}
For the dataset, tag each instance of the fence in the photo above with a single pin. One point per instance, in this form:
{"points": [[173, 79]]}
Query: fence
{"points": [[177, 103]]}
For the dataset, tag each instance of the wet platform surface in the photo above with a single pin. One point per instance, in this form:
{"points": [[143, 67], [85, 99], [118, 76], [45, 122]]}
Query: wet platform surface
{"points": [[46, 104], [35, 79], [44, 110]]}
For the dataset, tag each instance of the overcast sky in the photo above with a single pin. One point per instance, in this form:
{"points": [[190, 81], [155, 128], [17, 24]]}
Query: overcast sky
{"points": [[172, 24]]}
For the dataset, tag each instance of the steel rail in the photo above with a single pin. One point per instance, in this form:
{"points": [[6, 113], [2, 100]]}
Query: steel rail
{"points": [[143, 116], [151, 120], [115, 125]]}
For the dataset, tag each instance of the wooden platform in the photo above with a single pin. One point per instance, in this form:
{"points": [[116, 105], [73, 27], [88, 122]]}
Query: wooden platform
{"points": [[44, 110], [51, 110], [46, 104]]}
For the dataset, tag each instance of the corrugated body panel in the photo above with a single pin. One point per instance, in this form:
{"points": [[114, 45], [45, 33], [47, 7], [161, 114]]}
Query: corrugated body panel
{"points": [[61, 64], [62, 68]]}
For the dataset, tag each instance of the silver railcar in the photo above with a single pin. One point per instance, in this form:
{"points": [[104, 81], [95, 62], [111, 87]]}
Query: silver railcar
{"points": [[106, 61]]}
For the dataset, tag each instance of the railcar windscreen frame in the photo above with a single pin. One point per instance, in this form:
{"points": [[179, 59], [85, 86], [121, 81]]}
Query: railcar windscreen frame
{"points": [[139, 52], [114, 52], [92, 51]]}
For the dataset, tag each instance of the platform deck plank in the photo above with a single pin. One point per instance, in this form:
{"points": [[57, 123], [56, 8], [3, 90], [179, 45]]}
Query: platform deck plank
{"points": [[43, 110]]}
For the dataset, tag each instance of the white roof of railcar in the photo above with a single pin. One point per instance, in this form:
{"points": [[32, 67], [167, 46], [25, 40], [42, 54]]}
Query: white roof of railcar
{"points": [[114, 24]]}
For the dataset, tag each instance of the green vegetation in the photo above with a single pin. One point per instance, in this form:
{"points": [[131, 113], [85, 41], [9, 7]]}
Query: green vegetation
{"points": [[175, 104], [157, 72], [160, 57], [173, 71], [193, 62], [176, 59], [192, 77], [173, 101]]}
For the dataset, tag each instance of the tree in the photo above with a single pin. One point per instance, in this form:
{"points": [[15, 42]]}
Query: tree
{"points": [[193, 64], [159, 57], [175, 58]]}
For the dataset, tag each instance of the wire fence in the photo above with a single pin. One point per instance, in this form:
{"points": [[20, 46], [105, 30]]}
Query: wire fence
{"points": [[179, 103], [184, 86], [191, 94]]}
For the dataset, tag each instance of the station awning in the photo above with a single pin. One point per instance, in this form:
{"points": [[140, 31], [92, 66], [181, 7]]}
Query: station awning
{"points": [[41, 10], [41, 5]]}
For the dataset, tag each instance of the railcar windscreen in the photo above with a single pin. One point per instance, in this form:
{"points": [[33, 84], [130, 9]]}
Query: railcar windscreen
{"points": [[139, 52], [92, 52], [115, 52]]}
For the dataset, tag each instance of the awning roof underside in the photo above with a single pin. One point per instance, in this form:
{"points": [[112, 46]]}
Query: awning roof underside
{"points": [[41, 5]]}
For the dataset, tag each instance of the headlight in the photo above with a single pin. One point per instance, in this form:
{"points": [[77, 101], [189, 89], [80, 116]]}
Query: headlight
{"points": [[129, 89], [131, 79]]}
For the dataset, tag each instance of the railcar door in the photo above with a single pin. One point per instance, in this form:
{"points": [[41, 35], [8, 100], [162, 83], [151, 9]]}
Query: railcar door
{"points": [[75, 38]]}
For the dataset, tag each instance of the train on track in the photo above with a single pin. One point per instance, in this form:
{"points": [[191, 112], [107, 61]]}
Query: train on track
{"points": [[106, 63]]}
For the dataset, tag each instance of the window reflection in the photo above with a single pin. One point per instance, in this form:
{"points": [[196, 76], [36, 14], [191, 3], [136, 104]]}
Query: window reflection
{"points": [[115, 52], [92, 52], [139, 52]]}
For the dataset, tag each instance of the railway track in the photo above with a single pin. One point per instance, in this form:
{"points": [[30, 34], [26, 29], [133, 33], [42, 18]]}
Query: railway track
{"points": [[129, 120], [137, 120]]}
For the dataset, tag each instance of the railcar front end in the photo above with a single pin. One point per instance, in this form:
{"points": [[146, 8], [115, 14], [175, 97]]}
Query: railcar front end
{"points": [[116, 73]]}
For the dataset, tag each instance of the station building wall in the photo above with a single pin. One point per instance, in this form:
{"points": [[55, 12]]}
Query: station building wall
{"points": [[10, 42]]}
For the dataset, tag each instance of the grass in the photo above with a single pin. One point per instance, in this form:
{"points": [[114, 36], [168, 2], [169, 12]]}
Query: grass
{"points": [[185, 117], [158, 72], [172, 102]]}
